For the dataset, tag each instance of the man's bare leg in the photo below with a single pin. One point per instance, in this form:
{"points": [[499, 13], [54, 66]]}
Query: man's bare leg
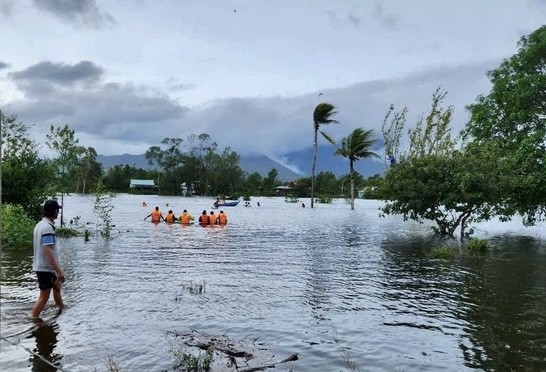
{"points": [[40, 302], [57, 296]]}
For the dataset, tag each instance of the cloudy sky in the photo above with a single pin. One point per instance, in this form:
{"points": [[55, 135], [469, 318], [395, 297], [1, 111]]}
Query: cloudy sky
{"points": [[126, 74]]}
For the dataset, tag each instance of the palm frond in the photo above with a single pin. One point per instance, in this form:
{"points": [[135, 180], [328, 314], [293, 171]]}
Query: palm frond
{"points": [[323, 113], [357, 145], [328, 137]]}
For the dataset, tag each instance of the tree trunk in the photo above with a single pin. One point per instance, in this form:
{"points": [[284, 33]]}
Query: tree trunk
{"points": [[314, 167], [352, 175]]}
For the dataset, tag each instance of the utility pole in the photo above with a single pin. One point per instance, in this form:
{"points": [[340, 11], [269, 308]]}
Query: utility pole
{"points": [[1, 143]]}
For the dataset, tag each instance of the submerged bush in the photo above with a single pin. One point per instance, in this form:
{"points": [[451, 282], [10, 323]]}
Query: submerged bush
{"points": [[324, 199], [17, 227], [66, 232], [187, 362], [291, 198], [443, 252], [478, 245]]}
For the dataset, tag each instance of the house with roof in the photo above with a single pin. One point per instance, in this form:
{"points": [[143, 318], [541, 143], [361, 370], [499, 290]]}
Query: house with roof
{"points": [[145, 186], [283, 190]]}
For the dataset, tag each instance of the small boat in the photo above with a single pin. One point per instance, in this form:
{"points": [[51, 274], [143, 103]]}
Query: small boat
{"points": [[226, 204]]}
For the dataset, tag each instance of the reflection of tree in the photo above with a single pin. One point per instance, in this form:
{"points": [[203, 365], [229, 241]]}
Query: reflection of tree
{"points": [[318, 283], [417, 291], [494, 304], [334, 281], [45, 334], [505, 309]]}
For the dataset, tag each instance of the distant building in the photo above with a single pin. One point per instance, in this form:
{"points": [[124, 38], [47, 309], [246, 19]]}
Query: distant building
{"points": [[142, 185], [283, 190]]}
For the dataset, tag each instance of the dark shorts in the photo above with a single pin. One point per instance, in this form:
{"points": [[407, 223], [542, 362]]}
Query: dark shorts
{"points": [[46, 279]]}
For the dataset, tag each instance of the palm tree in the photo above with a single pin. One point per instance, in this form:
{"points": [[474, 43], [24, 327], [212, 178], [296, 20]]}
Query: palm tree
{"points": [[356, 146], [322, 115]]}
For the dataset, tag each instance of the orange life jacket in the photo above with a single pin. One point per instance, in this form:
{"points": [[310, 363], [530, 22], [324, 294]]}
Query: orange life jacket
{"points": [[222, 219], [212, 219], [204, 219], [156, 216], [170, 218], [185, 218]]}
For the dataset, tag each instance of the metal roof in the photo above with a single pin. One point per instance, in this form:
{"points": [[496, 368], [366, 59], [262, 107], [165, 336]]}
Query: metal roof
{"points": [[136, 183]]}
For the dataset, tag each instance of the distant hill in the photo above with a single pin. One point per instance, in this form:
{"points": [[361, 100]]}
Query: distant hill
{"points": [[301, 160], [137, 161], [327, 161]]}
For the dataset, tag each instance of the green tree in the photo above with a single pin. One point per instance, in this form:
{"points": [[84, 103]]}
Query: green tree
{"points": [[270, 182], [102, 209], [16, 227], [393, 124], [26, 178], [512, 119], [301, 187], [253, 184], [63, 141], [435, 181], [326, 185], [322, 115], [169, 159], [227, 175], [356, 146], [90, 170], [451, 190]]}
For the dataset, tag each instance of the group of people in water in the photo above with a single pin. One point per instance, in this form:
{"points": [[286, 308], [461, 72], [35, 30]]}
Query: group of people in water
{"points": [[186, 218]]}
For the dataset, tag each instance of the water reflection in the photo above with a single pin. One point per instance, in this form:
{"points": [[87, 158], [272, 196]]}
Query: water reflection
{"points": [[506, 320], [45, 334], [494, 302]]}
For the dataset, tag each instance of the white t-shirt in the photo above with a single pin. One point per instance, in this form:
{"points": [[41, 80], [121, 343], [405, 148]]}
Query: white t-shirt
{"points": [[44, 234]]}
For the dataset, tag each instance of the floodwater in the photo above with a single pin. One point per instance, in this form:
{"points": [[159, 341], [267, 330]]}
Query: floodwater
{"points": [[345, 290]]}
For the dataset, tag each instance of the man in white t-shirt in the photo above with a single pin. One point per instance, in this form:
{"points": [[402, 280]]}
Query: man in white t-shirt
{"points": [[45, 260]]}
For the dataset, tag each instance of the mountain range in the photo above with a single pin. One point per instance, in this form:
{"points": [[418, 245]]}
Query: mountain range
{"points": [[289, 167]]}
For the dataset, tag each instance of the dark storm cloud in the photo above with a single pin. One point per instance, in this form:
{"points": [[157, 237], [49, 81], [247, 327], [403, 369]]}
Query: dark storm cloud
{"points": [[279, 125], [3, 65], [75, 94], [60, 73], [270, 125], [79, 12], [46, 77]]}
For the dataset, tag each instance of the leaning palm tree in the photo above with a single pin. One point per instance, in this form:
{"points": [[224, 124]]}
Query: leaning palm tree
{"points": [[322, 115], [356, 146]]}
